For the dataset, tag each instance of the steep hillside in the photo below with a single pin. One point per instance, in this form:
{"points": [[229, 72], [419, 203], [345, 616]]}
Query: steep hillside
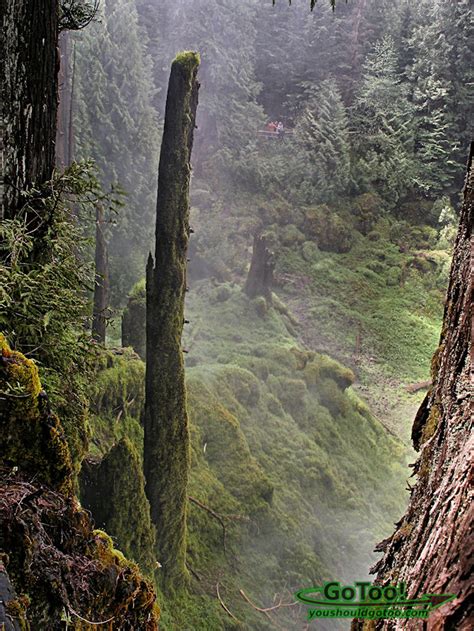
{"points": [[292, 476], [362, 284]]}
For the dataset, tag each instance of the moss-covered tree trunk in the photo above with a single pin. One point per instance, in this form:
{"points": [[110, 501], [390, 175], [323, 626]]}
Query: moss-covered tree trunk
{"points": [[29, 99], [260, 277], [101, 289], [166, 452], [431, 550]]}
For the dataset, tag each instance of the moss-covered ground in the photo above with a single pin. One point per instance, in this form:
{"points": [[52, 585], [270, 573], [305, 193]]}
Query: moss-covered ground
{"points": [[363, 284], [300, 473], [300, 417]]}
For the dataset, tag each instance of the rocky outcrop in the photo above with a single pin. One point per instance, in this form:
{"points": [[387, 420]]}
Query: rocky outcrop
{"points": [[55, 568]]}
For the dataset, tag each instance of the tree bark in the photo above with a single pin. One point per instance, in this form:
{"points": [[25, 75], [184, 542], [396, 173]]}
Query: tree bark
{"points": [[102, 287], [64, 136], [166, 452], [30, 100], [260, 277], [431, 550]]}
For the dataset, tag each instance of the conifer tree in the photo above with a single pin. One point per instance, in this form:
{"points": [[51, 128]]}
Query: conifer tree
{"points": [[116, 125], [440, 77], [166, 452], [323, 136], [382, 127]]}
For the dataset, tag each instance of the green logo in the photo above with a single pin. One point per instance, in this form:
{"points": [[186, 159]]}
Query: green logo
{"points": [[368, 601]]}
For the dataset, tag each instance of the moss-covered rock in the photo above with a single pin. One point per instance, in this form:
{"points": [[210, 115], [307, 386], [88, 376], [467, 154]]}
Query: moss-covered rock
{"points": [[116, 401], [31, 437], [114, 491], [72, 575], [329, 230], [323, 367]]}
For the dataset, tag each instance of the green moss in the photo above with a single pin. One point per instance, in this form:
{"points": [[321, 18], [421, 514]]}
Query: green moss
{"points": [[134, 320], [114, 491], [65, 571], [117, 400], [189, 60], [431, 423], [266, 449], [324, 367], [31, 438], [222, 442], [332, 398]]}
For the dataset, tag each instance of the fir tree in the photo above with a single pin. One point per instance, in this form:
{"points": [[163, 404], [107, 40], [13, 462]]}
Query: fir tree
{"points": [[382, 127], [323, 136], [116, 125]]}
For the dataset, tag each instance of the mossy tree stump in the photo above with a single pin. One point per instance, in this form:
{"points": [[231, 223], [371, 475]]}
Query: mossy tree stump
{"points": [[166, 451], [260, 277]]}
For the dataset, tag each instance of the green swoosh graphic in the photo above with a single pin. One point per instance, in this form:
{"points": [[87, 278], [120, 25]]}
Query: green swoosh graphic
{"points": [[433, 601]]}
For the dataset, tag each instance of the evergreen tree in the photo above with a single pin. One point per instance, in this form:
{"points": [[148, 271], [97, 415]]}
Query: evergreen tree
{"points": [[382, 127], [323, 137], [229, 116], [116, 125], [441, 77]]}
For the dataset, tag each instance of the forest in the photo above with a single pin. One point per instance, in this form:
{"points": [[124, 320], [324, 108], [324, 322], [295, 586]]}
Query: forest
{"points": [[235, 317]]}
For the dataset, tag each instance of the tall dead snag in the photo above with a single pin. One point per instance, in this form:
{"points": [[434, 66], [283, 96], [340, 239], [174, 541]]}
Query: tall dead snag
{"points": [[101, 289], [260, 277], [29, 100], [432, 547], [166, 452]]}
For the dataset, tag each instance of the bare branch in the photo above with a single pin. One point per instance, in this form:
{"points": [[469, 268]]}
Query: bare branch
{"points": [[77, 14], [224, 607]]}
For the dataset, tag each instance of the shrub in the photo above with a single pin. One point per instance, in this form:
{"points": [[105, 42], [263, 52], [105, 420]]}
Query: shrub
{"points": [[328, 229]]}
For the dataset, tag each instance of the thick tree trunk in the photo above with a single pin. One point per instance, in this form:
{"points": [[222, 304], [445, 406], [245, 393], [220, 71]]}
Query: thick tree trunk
{"points": [[101, 289], [260, 277], [431, 550], [166, 452], [30, 99], [64, 137]]}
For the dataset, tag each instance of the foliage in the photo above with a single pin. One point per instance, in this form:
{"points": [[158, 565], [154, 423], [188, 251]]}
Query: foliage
{"points": [[381, 124], [323, 144], [45, 302], [116, 126]]}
